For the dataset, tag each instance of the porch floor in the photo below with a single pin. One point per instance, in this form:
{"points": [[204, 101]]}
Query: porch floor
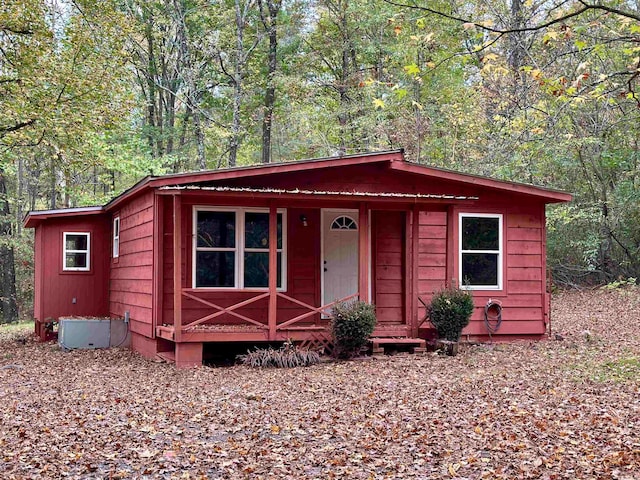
{"points": [[253, 333], [242, 333]]}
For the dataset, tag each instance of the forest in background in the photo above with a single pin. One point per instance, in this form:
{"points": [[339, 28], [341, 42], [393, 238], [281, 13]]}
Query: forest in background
{"points": [[95, 95]]}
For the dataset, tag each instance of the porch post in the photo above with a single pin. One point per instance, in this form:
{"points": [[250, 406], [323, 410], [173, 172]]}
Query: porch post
{"points": [[273, 270], [415, 273], [177, 267], [364, 245]]}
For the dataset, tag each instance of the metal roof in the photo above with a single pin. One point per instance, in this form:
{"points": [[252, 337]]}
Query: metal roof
{"points": [[298, 191]]}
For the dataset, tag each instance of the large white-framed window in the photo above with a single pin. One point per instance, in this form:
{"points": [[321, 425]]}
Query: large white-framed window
{"points": [[481, 251], [116, 237], [231, 248], [76, 248]]}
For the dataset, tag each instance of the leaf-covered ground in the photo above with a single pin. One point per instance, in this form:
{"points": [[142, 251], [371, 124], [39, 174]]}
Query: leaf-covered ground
{"points": [[557, 409]]}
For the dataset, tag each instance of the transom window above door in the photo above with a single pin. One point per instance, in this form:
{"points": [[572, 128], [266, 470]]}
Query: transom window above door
{"points": [[344, 222], [231, 248]]}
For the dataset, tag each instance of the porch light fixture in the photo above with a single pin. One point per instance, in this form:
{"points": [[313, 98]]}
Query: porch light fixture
{"points": [[303, 219]]}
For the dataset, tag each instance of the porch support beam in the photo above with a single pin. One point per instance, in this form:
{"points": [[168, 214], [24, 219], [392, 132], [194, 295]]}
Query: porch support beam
{"points": [[451, 229], [415, 274], [177, 267], [273, 270], [364, 252]]}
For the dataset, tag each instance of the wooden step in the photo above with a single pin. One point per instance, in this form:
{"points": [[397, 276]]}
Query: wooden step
{"points": [[169, 357], [417, 345]]}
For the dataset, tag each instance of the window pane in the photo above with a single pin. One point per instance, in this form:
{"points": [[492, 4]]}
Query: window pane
{"points": [[480, 233], [217, 229], [215, 269], [76, 260], [256, 230], [480, 269], [76, 242], [279, 233], [256, 269]]}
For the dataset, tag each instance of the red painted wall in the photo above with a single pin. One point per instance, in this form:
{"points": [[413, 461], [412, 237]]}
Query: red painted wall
{"points": [[388, 238], [114, 286], [55, 289], [360, 178], [522, 295], [524, 266], [131, 278]]}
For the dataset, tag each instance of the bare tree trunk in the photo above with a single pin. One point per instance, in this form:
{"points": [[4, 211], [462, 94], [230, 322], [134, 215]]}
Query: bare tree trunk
{"points": [[193, 96], [345, 107], [8, 304], [52, 182], [271, 24], [234, 141], [151, 87], [20, 194]]}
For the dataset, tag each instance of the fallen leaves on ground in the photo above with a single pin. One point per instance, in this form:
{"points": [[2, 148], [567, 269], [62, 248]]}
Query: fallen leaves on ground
{"points": [[555, 409]]}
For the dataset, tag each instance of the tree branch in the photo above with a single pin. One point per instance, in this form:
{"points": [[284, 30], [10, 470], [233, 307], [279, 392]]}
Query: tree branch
{"points": [[16, 31], [17, 126], [585, 7]]}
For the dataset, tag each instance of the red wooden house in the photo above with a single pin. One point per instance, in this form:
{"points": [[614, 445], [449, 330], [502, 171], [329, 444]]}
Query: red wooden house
{"points": [[188, 256]]}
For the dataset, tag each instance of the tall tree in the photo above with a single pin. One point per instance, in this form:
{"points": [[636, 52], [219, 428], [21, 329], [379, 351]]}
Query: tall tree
{"points": [[269, 10]]}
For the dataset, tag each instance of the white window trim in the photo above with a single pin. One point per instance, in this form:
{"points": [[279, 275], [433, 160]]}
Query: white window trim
{"points": [[87, 252], [116, 238], [500, 251], [239, 248]]}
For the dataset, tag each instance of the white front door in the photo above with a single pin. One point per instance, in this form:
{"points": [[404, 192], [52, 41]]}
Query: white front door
{"points": [[340, 254]]}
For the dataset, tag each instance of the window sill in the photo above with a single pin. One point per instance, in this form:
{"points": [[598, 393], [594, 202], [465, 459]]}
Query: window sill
{"points": [[231, 290], [482, 289], [76, 272]]}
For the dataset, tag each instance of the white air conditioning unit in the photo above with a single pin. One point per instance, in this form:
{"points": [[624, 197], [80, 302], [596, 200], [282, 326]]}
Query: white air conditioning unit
{"points": [[84, 332]]}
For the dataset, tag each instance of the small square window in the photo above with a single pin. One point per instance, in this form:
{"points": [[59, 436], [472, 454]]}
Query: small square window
{"points": [[75, 254]]}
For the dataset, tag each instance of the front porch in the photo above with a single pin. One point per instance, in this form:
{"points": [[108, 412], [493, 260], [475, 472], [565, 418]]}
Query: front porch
{"points": [[295, 304]]}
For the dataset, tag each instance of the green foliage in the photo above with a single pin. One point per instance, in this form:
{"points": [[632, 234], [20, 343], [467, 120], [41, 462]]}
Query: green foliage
{"points": [[95, 95], [352, 324], [287, 356], [621, 283], [620, 370], [450, 311]]}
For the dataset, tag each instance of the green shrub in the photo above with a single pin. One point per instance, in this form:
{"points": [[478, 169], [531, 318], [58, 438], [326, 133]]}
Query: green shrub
{"points": [[352, 324], [450, 311], [287, 356]]}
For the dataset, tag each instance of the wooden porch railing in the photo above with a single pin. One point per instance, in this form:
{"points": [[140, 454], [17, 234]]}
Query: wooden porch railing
{"points": [[313, 310], [189, 293], [192, 294]]}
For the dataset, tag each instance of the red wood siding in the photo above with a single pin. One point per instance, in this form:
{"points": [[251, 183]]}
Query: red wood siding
{"points": [[131, 279], [366, 178], [432, 255], [387, 231], [38, 267], [522, 296], [55, 289]]}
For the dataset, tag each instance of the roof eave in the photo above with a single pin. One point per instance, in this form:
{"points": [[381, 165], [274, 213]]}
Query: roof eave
{"points": [[34, 218], [255, 170], [548, 195]]}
